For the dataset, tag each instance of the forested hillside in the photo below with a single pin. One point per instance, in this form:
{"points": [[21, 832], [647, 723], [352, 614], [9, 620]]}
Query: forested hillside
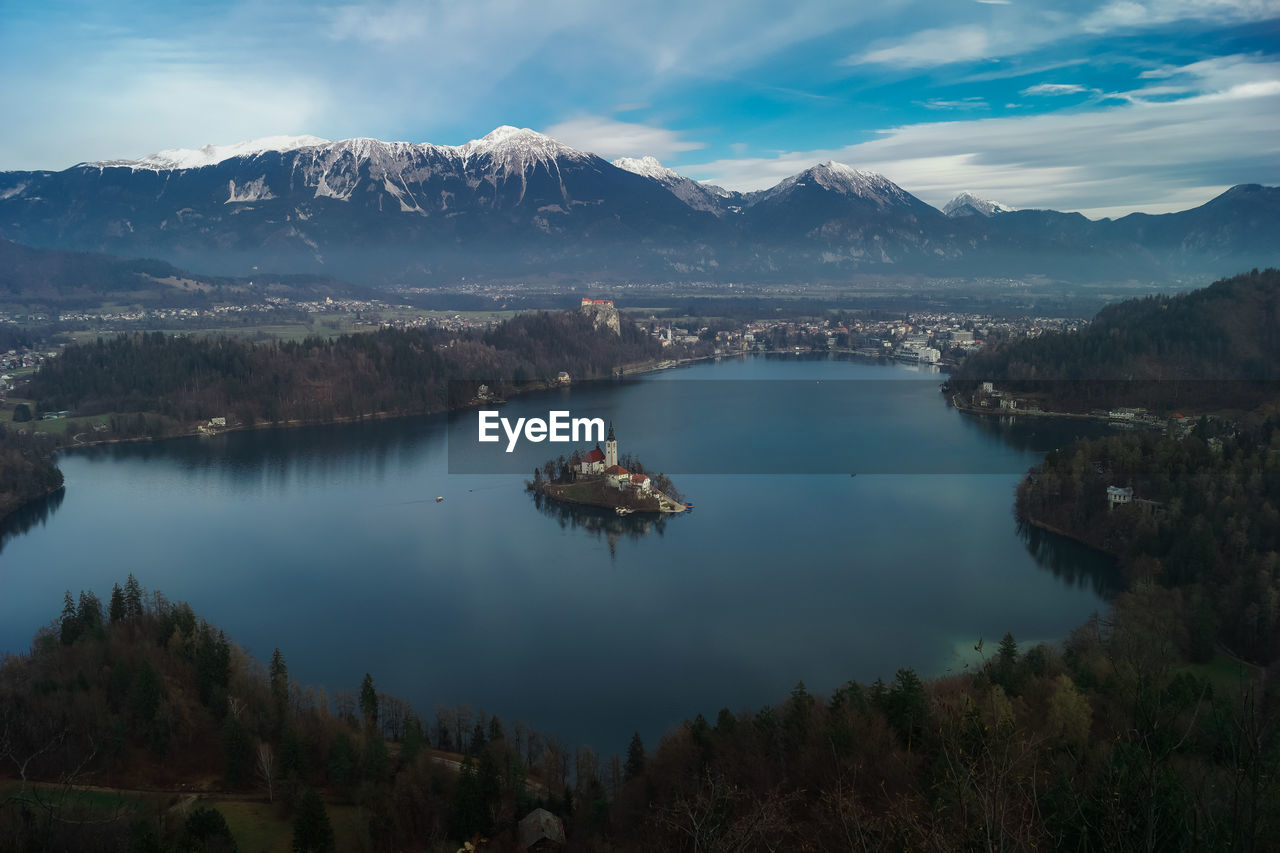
{"points": [[390, 371], [1217, 347], [1206, 520], [26, 470], [1111, 743]]}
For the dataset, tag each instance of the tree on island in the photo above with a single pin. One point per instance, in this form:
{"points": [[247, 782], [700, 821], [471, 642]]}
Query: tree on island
{"points": [[21, 413]]}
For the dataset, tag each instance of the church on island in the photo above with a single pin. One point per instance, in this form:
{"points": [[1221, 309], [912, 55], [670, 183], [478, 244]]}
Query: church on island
{"points": [[597, 462], [594, 477]]}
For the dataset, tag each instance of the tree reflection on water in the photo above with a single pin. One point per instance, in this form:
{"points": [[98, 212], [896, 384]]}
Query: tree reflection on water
{"points": [[1072, 561], [602, 522], [29, 515]]}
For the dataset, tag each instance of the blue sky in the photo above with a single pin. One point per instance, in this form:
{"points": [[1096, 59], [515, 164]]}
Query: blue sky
{"points": [[1102, 106]]}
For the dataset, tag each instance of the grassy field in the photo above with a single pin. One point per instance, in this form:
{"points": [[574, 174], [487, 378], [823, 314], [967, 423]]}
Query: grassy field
{"points": [[1225, 673], [258, 827], [587, 492], [6, 412], [66, 427], [109, 802]]}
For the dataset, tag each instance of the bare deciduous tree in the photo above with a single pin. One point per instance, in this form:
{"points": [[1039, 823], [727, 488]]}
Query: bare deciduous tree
{"points": [[266, 765]]}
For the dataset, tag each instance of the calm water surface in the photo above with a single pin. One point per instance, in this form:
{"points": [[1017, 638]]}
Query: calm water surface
{"points": [[328, 543]]}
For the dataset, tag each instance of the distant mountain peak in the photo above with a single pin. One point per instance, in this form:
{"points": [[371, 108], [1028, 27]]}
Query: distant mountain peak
{"points": [[518, 139], [697, 195], [508, 133], [844, 180], [650, 167], [211, 155], [968, 204], [517, 150]]}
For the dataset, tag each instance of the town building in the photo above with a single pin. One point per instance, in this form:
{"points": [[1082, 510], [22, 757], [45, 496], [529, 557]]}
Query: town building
{"points": [[1117, 496], [592, 462], [540, 830], [610, 448]]}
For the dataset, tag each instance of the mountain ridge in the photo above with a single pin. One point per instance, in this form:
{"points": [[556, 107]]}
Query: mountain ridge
{"points": [[518, 203]]}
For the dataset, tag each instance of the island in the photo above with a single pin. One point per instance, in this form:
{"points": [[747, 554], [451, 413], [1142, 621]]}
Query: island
{"points": [[596, 478]]}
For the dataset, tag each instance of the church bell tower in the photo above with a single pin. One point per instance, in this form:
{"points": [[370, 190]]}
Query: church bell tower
{"points": [[610, 449]]}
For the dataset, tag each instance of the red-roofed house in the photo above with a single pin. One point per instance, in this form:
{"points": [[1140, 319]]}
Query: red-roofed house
{"points": [[592, 462], [617, 475], [641, 482]]}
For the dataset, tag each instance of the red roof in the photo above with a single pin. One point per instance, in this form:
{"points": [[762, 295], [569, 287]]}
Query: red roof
{"points": [[616, 469], [639, 478], [596, 455]]}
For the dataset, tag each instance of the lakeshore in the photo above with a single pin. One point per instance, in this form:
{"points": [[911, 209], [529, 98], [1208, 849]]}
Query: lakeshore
{"points": [[598, 493], [84, 432], [782, 558]]}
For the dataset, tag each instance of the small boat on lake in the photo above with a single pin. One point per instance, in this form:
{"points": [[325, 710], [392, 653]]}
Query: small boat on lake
{"points": [[622, 510], [439, 499]]}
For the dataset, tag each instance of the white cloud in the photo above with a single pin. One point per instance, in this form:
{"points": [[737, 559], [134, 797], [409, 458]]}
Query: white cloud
{"points": [[1018, 30], [973, 103], [182, 107], [1150, 156], [1121, 14], [930, 47], [1054, 89], [610, 138], [394, 24]]}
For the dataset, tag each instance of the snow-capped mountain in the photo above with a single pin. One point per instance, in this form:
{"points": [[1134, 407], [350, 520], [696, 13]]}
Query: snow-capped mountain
{"points": [[302, 203], [517, 203], [697, 195], [968, 204], [210, 155], [842, 180], [843, 216]]}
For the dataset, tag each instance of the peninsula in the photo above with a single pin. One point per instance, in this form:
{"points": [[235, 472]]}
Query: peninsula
{"points": [[596, 478]]}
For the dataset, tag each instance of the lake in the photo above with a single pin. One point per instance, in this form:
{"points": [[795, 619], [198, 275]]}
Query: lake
{"points": [[328, 542]]}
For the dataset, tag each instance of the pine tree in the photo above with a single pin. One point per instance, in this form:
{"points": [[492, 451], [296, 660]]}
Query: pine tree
{"points": [[70, 625], [342, 764], [414, 740], [206, 829], [89, 611], [469, 813], [635, 757], [312, 832], [132, 598], [115, 610], [1006, 663], [279, 674], [369, 701]]}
